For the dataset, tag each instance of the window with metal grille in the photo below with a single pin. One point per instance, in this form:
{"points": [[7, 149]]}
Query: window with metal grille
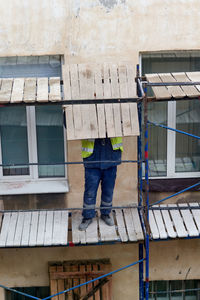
{"points": [[40, 292], [175, 290]]}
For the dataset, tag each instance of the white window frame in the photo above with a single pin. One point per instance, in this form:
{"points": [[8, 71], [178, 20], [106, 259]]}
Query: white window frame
{"points": [[32, 184], [171, 142]]}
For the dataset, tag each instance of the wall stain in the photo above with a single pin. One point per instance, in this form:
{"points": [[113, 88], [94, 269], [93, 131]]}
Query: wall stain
{"points": [[109, 4]]}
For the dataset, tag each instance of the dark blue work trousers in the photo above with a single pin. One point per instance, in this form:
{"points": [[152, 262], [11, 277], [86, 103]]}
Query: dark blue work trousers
{"points": [[93, 177]]}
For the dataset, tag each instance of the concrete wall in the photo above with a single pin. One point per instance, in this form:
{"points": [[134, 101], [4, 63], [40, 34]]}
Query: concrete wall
{"points": [[97, 31], [29, 267]]}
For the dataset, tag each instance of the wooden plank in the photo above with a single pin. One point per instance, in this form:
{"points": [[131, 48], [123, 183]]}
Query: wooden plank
{"points": [[55, 89], [161, 92], [12, 228], [6, 89], [188, 220], [66, 82], [153, 226], [53, 283], [83, 289], [30, 90], [117, 119], [137, 224], [57, 230], [18, 90], [129, 225], [97, 294], [168, 223], [196, 214], [134, 119], [60, 284], [69, 122], [121, 225], [77, 235], [101, 120], [110, 126], [86, 81], [175, 91], [131, 85], [93, 121], [5, 229], [160, 223], [178, 221], [42, 89], [34, 228], [123, 82], [106, 80], [76, 292], [126, 119], [26, 229], [41, 228], [19, 229], [78, 125], [190, 91], [107, 233], [114, 81], [194, 76], [64, 227], [75, 88], [69, 282], [107, 288], [98, 71], [49, 228], [92, 232]]}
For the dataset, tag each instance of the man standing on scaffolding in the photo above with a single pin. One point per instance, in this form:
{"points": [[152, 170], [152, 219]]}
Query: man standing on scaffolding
{"points": [[103, 156]]}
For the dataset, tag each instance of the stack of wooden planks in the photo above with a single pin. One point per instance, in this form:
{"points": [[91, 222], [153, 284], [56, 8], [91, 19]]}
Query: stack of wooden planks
{"points": [[175, 92], [29, 90], [73, 273], [100, 81]]}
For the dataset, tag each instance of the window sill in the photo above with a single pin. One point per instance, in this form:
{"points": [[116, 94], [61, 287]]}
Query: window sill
{"points": [[172, 184], [42, 186]]}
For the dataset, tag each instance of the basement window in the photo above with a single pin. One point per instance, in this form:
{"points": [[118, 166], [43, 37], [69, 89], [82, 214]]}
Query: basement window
{"points": [[40, 292]]}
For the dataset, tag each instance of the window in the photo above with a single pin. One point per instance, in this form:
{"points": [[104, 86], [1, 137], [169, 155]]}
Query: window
{"points": [[173, 155], [175, 290], [40, 292], [32, 135]]}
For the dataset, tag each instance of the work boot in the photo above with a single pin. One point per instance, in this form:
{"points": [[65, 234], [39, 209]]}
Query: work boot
{"points": [[108, 220], [84, 224]]}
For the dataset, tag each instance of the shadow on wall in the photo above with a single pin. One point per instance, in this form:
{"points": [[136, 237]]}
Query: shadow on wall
{"points": [[39, 201]]}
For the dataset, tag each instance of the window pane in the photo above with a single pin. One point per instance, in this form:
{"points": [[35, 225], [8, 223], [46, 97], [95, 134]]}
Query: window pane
{"points": [[157, 112], [50, 140], [14, 143], [176, 285], [161, 286], [187, 148], [191, 295]]}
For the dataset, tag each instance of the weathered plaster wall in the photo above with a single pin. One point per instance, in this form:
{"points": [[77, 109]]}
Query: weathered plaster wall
{"points": [[29, 267], [103, 29], [174, 260]]}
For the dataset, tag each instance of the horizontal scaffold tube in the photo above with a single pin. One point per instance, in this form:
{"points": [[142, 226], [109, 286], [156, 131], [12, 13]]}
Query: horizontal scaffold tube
{"points": [[176, 130]]}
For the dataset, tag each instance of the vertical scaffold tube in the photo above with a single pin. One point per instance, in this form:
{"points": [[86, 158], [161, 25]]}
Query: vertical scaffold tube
{"points": [[141, 254], [146, 195]]}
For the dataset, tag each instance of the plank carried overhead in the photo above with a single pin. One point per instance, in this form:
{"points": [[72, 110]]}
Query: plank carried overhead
{"points": [[100, 81]]}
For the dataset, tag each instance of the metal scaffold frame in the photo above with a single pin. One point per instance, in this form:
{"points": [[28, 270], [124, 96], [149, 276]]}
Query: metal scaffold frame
{"points": [[143, 202], [144, 206]]}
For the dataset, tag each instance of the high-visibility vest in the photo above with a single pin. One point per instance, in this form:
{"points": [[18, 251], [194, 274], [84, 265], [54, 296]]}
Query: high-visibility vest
{"points": [[88, 146]]}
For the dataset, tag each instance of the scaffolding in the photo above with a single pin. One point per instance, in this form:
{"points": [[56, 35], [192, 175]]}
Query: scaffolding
{"points": [[143, 200]]}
